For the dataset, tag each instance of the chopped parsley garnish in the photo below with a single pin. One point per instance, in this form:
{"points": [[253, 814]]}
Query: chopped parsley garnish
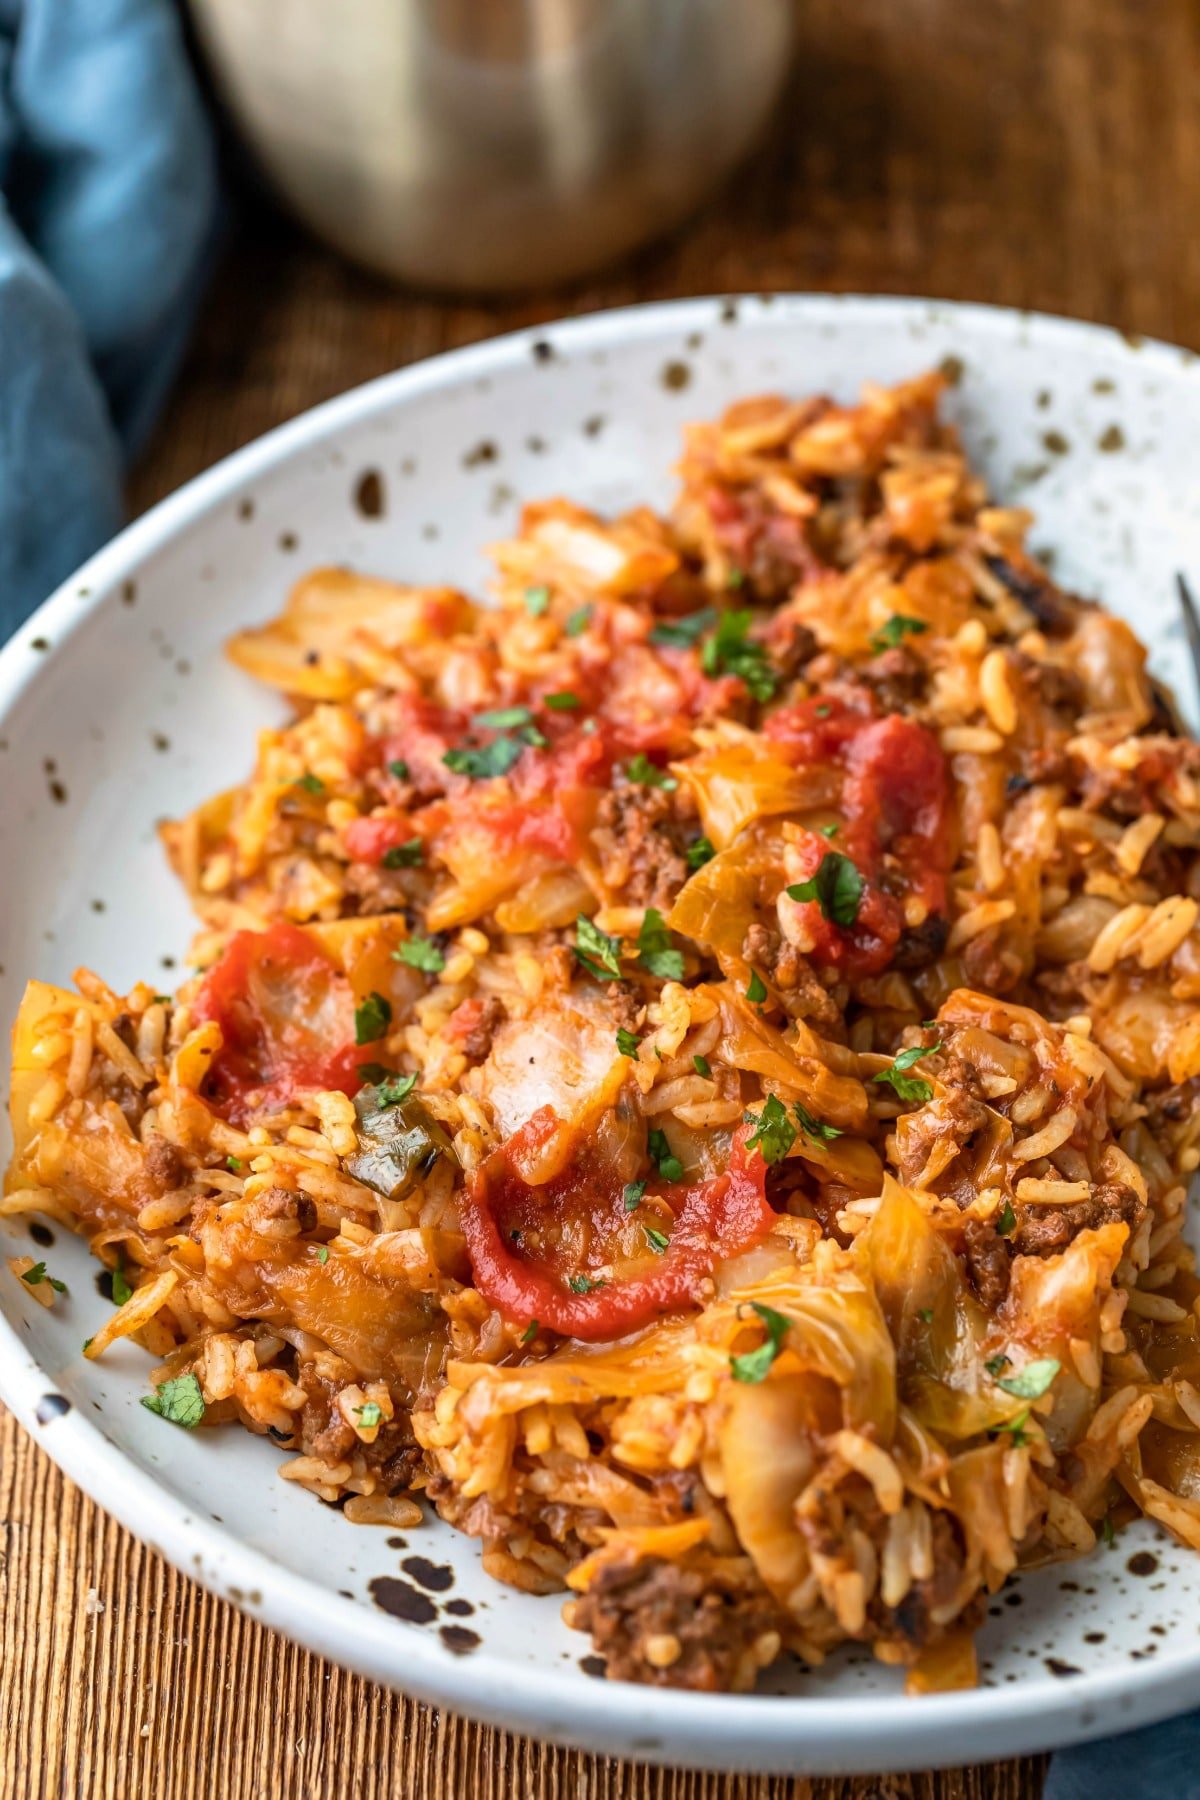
{"points": [[537, 599], [1006, 1220], [681, 634], [234, 1164], [582, 1284], [399, 768], [162, 999], [1108, 1530], [181, 1401], [420, 953], [312, 784], [995, 1364], [404, 856], [529, 1333], [577, 622], [1016, 1428], [121, 1290], [323, 1255], [655, 949], [909, 1087], [35, 1276], [668, 1164], [698, 853], [496, 758], [657, 1240], [828, 831], [369, 1414], [752, 1365], [773, 1134], [837, 887], [925, 1314], [701, 1066], [372, 1017], [899, 626], [503, 718], [756, 989], [641, 770], [628, 1042], [393, 1089], [1034, 1380], [632, 1194], [816, 1129], [731, 651], [563, 702], [599, 953]]}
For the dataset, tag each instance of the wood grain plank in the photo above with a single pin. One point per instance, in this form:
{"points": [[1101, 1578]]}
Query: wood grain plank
{"points": [[1041, 153]]}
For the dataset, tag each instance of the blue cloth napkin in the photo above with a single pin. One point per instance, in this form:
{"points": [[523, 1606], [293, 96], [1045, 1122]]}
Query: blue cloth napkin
{"points": [[108, 200], [1161, 1762]]}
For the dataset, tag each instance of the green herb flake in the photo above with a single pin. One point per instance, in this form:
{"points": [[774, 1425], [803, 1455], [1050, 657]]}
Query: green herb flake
{"points": [[163, 999], [529, 1333], [925, 1314], [311, 784], [898, 627], [773, 1134], [404, 856], [681, 634], [1034, 1380], [372, 1017], [655, 949], [563, 702], [496, 758], [599, 953], [577, 622], [752, 1365], [828, 831], [234, 1164], [644, 773], [816, 1129], [394, 1089], [1016, 1428], [503, 718], [823, 711], [399, 768], [323, 1255], [909, 1087], [995, 1364], [665, 1159], [837, 887], [537, 599], [699, 852], [181, 1401], [1006, 1220], [657, 1240], [34, 1278], [701, 1066], [731, 651], [420, 953], [369, 1415], [583, 1284], [632, 1195], [756, 988], [1108, 1530], [628, 1042], [121, 1289]]}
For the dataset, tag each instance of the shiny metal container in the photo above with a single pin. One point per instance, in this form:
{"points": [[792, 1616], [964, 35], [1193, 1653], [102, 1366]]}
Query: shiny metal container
{"points": [[495, 144]]}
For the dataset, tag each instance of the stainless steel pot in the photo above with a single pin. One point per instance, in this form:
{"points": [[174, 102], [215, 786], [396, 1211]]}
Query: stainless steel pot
{"points": [[495, 144]]}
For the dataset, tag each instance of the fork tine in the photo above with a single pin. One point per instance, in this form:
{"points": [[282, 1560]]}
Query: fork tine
{"points": [[1191, 621]]}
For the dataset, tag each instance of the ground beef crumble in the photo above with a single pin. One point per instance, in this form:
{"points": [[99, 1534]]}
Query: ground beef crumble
{"points": [[634, 1602], [639, 841]]}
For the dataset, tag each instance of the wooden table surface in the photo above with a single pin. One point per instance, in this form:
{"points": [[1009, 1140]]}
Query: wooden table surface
{"points": [[1035, 153]]}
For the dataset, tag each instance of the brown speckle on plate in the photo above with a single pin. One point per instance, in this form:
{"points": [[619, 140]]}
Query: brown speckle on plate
{"points": [[160, 740], [288, 540], [437, 1577], [952, 369], [1142, 1562], [1111, 439], [1056, 1666], [369, 494], [595, 425], [1103, 385], [461, 1609], [542, 350], [594, 1665], [729, 312], [460, 1639], [129, 593], [402, 1600], [483, 452], [39, 643], [1056, 443], [536, 444], [675, 376], [1043, 400], [245, 509], [41, 1234]]}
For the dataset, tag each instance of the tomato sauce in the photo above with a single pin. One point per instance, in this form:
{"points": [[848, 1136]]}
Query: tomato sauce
{"points": [[286, 1014], [895, 806], [528, 1244]]}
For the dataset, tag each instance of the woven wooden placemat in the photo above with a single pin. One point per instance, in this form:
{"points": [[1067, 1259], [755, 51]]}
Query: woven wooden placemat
{"points": [[1041, 153]]}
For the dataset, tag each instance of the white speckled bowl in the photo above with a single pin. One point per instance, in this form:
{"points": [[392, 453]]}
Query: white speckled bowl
{"points": [[116, 707]]}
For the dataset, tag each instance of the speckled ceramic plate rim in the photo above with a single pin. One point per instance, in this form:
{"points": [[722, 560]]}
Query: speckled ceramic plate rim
{"points": [[829, 1735]]}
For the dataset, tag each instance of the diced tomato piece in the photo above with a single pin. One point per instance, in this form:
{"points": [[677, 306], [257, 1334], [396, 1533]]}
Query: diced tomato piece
{"points": [[286, 1014], [369, 840], [527, 1244]]}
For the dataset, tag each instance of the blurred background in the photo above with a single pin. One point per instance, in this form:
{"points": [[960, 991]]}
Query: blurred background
{"points": [[505, 161]]}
